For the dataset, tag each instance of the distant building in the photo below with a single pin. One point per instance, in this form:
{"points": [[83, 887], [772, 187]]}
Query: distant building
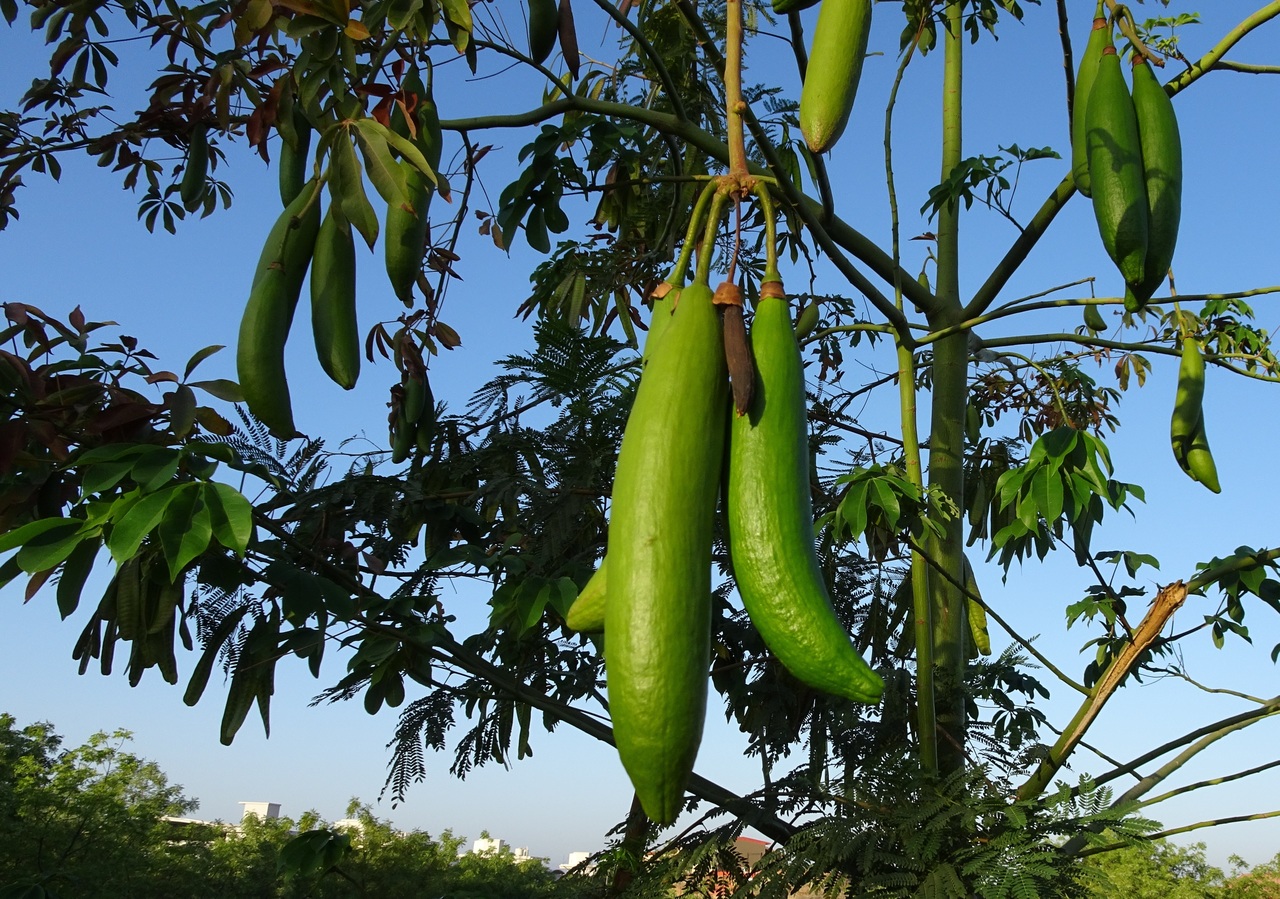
{"points": [[262, 810], [576, 859], [487, 846]]}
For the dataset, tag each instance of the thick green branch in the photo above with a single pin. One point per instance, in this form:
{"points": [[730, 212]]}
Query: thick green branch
{"points": [[1174, 831], [1211, 59], [950, 396], [1211, 782], [1233, 722]]}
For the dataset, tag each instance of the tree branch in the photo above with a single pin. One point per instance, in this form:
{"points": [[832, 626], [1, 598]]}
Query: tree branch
{"points": [[1167, 601]]}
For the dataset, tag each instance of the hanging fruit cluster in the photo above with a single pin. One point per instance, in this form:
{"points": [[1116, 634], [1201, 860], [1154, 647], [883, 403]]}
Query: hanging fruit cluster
{"points": [[1127, 156], [652, 594], [402, 157]]}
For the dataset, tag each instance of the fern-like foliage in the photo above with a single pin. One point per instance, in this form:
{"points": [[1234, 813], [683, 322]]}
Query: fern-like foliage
{"points": [[896, 833]]}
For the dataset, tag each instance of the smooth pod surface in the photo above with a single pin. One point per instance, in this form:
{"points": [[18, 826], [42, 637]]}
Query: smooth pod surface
{"points": [[1186, 428], [544, 28], [835, 67], [1162, 170], [406, 233], [264, 328], [1188, 401], [1115, 170], [191, 189], [1085, 74], [333, 301], [658, 615], [586, 615], [295, 156], [770, 519]]}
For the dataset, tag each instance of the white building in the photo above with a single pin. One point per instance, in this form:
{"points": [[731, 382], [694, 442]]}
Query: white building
{"points": [[576, 859], [264, 811], [487, 846]]}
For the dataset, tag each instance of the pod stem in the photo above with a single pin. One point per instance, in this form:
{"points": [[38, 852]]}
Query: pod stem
{"points": [[696, 220], [770, 213], [718, 202], [1122, 18]]}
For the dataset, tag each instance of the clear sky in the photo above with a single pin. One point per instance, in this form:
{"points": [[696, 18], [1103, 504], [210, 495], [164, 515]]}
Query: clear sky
{"points": [[78, 242]]}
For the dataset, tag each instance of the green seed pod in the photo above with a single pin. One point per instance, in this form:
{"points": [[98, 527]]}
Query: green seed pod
{"points": [[770, 521], [191, 190], [1085, 75], [1162, 169], [333, 301], [544, 27], [835, 66], [586, 615], [277, 284], [658, 615], [1115, 169], [1093, 319]]}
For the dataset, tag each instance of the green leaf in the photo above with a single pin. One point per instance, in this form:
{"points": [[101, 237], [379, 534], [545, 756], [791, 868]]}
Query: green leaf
{"points": [[231, 516], [411, 153], [128, 533], [459, 13], [1047, 489], [186, 529], [112, 452], [853, 509], [50, 548], [33, 529], [533, 614], [346, 186], [887, 500], [102, 477], [401, 12], [204, 667], [535, 231], [386, 176], [198, 357], [75, 573], [8, 571], [182, 410], [227, 391], [156, 468]]}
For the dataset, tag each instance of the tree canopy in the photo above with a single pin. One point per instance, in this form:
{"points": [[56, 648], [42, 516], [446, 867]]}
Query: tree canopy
{"points": [[956, 411]]}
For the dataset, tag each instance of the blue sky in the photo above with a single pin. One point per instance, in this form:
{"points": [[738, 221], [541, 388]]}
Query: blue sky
{"points": [[78, 243]]}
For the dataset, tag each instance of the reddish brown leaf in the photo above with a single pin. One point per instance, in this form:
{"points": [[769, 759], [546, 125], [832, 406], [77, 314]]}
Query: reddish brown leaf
{"points": [[37, 581], [446, 335]]}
